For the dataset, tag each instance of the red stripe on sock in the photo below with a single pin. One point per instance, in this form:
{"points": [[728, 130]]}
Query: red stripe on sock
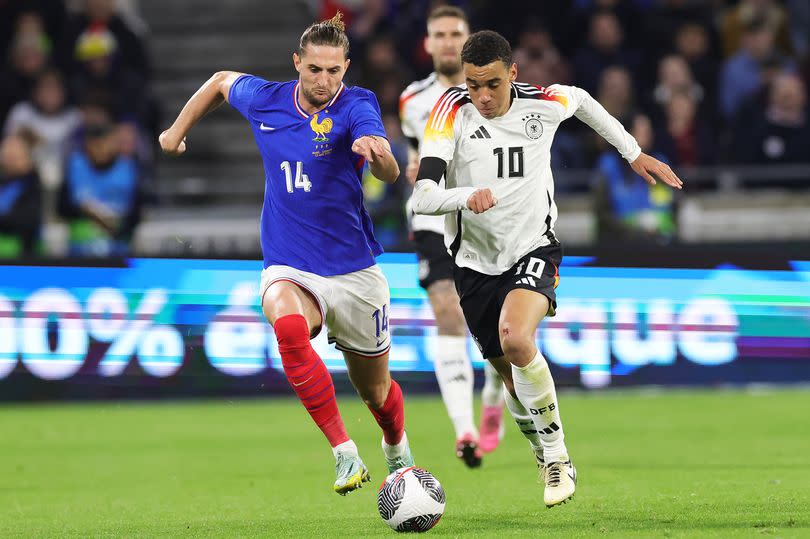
{"points": [[316, 391], [391, 417]]}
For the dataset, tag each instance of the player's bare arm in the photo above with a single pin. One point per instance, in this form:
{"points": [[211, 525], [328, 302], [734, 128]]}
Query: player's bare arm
{"points": [[209, 97], [377, 151], [650, 168]]}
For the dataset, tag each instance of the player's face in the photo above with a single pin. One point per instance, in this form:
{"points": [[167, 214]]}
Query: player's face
{"points": [[320, 69], [490, 87], [445, 39]]}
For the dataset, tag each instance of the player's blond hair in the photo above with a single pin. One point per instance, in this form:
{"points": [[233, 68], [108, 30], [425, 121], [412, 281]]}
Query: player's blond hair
{"points": [[331, 33]]}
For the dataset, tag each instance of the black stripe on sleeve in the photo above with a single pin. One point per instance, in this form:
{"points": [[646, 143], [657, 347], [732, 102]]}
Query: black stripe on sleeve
{"points": [[431, 168]]}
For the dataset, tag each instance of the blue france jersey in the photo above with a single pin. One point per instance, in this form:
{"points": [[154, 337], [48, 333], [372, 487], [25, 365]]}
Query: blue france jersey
{"points": [[313, 217]]}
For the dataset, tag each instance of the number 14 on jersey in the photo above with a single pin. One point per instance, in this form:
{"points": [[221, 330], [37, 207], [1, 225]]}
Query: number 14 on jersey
{"points": [[301, 180]]}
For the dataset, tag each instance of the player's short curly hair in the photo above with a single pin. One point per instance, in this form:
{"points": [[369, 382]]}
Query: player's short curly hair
{"points": [[485, 47], [447, 11], [331, 33]]}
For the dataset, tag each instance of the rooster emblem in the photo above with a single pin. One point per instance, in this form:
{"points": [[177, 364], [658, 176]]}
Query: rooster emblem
{"points": [[320, 128]]}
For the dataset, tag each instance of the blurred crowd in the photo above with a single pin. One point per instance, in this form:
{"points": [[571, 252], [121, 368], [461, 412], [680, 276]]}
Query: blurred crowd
{"points": [[77, 120], [698, 82]]}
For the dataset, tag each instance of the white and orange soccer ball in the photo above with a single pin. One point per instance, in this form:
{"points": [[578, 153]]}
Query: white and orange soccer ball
{"points": [[411, 500]]}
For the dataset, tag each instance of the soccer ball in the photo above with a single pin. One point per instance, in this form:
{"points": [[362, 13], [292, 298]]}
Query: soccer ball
{"points": [[411, 500]]}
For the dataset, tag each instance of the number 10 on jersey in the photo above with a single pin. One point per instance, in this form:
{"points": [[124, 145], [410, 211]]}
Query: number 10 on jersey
{"points": [[301, 180]]}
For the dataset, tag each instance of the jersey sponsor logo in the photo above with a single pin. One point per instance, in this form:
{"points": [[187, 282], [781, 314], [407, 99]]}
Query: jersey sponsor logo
{"points": [[481, 132], [266, 127], [533, 126]]}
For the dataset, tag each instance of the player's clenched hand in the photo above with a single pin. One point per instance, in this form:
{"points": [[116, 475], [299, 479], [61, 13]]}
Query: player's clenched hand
{"points": [[370, 147], [650, 169], [481, 201], [170, 145]]}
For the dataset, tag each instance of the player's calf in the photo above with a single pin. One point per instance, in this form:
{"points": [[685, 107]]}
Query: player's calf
{"points": [[309, 377], [391, 415]]}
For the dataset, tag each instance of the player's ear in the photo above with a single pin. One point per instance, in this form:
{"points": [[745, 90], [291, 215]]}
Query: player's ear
{"points": [[425, 44], [513, 73], [346, 65], [297, 62]]}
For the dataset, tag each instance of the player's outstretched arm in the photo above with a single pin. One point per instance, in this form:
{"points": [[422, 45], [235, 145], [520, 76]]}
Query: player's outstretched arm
{"points": [[211, 95], [650, 168], [600, 120], [381, 161], [430, 199]]}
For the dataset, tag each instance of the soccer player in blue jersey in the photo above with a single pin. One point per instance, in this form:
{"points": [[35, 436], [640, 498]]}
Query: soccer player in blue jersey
{"points": [[314, 135]]}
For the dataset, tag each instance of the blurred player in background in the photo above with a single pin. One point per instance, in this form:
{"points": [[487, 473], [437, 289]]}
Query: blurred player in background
{"points": [[314, 135], [492, 144], [447, 30]]}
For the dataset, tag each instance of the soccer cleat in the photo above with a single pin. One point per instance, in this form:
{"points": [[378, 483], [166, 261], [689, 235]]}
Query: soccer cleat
{"points": [[561, 481], [541, 470], [468, 451], [491, 428], [403, 460], [351, 473]]}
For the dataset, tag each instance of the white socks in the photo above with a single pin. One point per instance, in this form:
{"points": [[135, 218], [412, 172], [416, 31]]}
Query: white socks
{"points": [[346, 447], [535, 389], [492, 392], [523, 419], [455, 375], [395, 451]]}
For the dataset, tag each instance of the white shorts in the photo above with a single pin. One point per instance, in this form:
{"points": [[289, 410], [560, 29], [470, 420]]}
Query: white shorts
{"points": [[354, 306]]}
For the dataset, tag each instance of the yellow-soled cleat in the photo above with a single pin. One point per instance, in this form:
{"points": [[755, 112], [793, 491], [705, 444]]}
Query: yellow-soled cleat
{"points": [[351, 473]]}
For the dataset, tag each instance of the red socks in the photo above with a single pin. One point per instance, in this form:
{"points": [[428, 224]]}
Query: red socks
{"points": [[311, 381], [391, 417]]}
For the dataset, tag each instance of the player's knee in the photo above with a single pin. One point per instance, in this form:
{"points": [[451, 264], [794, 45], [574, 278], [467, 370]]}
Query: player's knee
{"points": [[444, 300], [292, 335], [374, 396], [450, 321], [510, 387], [516, 347]]}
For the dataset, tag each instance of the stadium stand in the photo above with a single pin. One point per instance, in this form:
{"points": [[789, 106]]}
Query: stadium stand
{"points": [[740, 146]]}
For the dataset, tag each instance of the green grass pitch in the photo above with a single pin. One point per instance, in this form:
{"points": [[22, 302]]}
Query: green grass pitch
{"points": [[714, 463]]}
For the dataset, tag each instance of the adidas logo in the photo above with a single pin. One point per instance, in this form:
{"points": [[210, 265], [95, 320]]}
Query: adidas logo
{"points": [[527, 280], [527, 427], [481, 132]]}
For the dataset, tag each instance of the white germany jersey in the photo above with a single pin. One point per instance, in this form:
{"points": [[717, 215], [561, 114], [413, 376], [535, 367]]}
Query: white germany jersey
{"points": [[415, 105], [510, 155]]}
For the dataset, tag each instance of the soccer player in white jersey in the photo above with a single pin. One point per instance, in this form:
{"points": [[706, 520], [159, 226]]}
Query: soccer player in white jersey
{"points": [[492, 144], [447, 30]]}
